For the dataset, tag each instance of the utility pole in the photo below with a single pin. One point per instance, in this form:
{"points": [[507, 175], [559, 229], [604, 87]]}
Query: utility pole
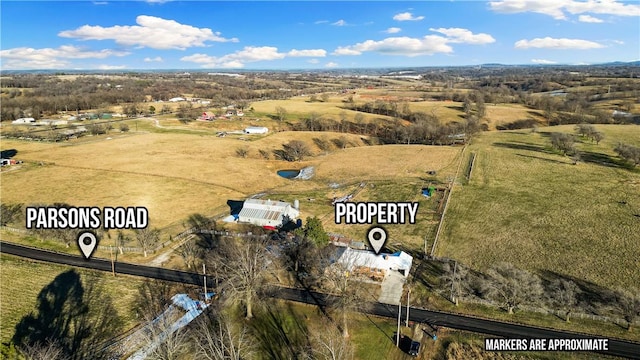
{"points": [[453, 281], [399, 314], [113, 263], [204, 278], [408, 293]]}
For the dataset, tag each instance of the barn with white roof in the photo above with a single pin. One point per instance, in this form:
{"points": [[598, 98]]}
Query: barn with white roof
{"points": [[267, 212]]}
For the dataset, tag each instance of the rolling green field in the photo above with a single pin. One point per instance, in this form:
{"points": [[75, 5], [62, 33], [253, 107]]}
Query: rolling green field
{"points": [[530, 206]]}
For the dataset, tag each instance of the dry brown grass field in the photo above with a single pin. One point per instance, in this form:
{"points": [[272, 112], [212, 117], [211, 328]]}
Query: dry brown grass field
{"points": [[300, 106], [532, 207], [175, 175]]}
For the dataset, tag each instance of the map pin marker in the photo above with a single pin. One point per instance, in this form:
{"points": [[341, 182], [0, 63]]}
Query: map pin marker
{"points": [[377, 236], [88, 242]]}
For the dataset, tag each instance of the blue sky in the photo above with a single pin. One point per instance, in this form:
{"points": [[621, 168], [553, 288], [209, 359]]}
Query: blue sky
{"points": [[314, 34]]}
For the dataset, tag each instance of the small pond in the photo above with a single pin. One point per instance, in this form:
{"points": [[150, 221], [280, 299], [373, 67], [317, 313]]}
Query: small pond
{"points": [[289, 174]]}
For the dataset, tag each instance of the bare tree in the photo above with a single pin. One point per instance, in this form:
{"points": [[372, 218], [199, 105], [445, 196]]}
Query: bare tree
{"points": [[564, 296], [597, 137], [627, 304], [294, 150], [298, 253], [46, 351], [242, 152], [629, 153], [122, 240], [265, 154], [349, 293], [563, 142], [512, 287], [243, 265], [147, 239], [163, 341], [153, 298], [281, 113], [190, 252], [217, 339], [454, 281], [328, 343], [9, 213]]}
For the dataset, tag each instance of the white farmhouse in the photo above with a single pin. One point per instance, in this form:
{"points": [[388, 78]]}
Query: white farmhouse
{"points": [[353, 260], [267, 212]]}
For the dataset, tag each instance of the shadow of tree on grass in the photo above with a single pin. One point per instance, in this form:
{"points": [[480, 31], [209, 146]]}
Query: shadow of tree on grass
{"points": [[78, 320]]}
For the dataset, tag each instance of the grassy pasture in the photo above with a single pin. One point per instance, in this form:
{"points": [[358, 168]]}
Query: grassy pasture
{"points": [[299, 107], [22, 281], [175, 174], [532, 207]]}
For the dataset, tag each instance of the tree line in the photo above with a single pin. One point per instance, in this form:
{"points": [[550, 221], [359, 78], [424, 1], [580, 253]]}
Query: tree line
{"points": [[511, 289]]}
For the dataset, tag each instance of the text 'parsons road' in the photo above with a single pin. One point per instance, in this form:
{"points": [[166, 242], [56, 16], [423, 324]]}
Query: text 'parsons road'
{"points": [[382, 212]]}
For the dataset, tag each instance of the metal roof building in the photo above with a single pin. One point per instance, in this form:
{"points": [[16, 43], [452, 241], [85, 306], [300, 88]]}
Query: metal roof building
{"points": [[267, 212], [353, 259]]}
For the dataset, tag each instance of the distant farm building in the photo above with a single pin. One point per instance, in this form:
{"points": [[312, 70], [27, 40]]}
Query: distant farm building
{"points": [[24, 121], [267, 212], [177, 99], [362, 261], [256, 130], [208, 116]]}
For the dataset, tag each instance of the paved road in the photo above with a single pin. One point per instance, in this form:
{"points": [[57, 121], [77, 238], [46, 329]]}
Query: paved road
{"points": [[104, 265], [493, 328]]}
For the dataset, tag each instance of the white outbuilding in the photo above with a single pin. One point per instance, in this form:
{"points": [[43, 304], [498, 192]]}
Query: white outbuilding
{"points": [[267, 212], [256, 130], [24, 121]]}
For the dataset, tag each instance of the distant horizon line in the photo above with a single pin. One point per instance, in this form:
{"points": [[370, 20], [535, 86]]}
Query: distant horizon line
{"points": [[200, 70]]}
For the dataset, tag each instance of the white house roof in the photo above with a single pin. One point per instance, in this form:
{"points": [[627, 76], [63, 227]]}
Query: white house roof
{"points": [[352, 258]]}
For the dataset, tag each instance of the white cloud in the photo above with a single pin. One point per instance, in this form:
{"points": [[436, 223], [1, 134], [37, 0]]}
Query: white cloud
{"points": [[331, 65], [551, 43], [557, 8], [252, 53], [155, 59], [247, 55], [407, 16], [458, 35], [50, 58], [393, 30], [307, 53], [407, 46], [619, 42], [543, 61], [321, 22], [428, 45], [346, 50], [589, 19], [340, 23], [313, 61], [151, 31]]}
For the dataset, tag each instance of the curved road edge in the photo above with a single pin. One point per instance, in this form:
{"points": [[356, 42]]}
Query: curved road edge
{"points": [[617, 347]]}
